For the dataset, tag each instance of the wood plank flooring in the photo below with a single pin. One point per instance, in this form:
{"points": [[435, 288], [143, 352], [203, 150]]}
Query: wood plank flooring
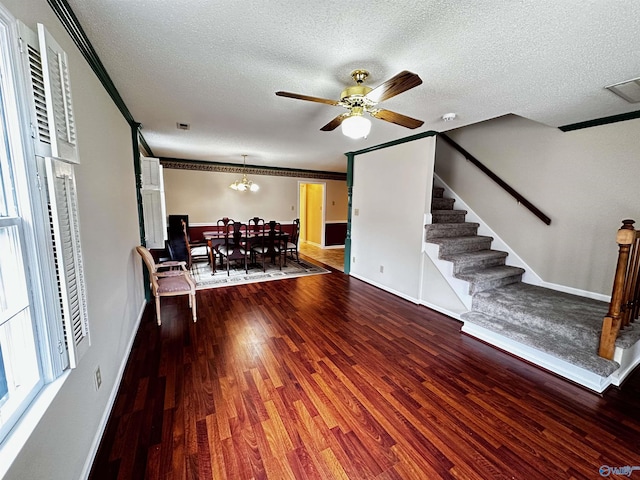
{"points": [[326, 377]]}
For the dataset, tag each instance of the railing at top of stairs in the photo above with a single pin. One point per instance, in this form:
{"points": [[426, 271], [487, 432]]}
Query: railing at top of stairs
{"points": [[521, 200], [625, 297]]}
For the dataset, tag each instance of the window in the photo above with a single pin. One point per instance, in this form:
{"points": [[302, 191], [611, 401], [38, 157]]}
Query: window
{"points": [[43, 310]]}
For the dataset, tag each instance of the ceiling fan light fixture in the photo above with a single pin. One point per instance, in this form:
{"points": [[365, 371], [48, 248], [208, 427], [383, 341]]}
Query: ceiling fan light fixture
{"points": [[356, 126]]}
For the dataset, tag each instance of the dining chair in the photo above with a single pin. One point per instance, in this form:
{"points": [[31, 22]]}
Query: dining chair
{"points": [[196, 251], [235, 246], [169, 283], [269, 243], [222, 228], [292, 243], [255, 225]]}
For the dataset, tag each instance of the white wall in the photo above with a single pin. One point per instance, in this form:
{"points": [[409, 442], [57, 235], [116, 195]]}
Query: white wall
{"points": [[206, 196], [391, 192], [62, 441], [586, 181]]}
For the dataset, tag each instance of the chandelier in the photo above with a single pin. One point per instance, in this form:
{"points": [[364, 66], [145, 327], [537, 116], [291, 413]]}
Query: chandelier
{"points": [[244, 184]]}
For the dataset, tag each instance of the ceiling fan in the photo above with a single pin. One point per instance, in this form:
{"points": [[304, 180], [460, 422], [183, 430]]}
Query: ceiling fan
{"points": [[359, 99]]}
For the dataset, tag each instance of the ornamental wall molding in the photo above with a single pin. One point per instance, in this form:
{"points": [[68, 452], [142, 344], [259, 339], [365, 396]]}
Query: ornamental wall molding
{"points": [[177, 164]]}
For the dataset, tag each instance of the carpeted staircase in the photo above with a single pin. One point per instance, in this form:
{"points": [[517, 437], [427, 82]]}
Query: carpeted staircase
{"points": [[559, 324]]}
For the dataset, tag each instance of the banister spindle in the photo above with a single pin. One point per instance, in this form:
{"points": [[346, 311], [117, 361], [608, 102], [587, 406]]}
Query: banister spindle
{"points": [[611, 323]]}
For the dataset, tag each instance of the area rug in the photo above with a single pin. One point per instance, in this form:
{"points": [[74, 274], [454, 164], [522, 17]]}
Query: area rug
{"points": [[202, 274]]}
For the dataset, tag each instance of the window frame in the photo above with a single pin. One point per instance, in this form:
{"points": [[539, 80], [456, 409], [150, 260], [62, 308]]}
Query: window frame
{"points": [[30, 191]]}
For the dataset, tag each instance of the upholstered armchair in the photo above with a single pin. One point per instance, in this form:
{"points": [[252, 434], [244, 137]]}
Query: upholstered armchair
{"points": [[166, 283]]}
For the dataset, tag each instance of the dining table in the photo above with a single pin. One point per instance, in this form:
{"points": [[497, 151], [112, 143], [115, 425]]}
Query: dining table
{"points": [[216, 238]]}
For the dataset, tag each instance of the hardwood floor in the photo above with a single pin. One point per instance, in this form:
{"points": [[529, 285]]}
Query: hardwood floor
{"points": [[326, 377]]}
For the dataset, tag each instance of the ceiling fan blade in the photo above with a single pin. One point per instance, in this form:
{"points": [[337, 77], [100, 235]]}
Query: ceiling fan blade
{"points": [[397, 118], [307, 98], [400, 83], [333, 124]]}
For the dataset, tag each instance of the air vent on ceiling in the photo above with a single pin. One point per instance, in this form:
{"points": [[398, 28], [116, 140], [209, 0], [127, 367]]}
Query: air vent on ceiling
{"points": [[629, 90], [183, 126]]}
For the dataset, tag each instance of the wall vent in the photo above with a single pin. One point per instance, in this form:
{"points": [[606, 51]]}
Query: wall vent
{"points": [[629, 90], [183, 126]]}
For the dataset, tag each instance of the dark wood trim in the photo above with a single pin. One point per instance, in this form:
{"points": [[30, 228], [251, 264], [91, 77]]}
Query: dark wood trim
{"points": [[335, 234], [201, 165], [71, 24], [137, 169], [601, 121], [145, 146], [347, 240], [521, 200], [393, 143]]}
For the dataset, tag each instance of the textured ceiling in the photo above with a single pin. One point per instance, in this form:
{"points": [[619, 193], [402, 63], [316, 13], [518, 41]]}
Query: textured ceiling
{"points": [[217, 65]]}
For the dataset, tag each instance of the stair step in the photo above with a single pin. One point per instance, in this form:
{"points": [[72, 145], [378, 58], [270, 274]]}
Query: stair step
{"points": [[436, 230], [492, 277], [471, 261], [448, 216], [577, 319], [442, 203], [576, 354], [450, 245], [437, 192]]}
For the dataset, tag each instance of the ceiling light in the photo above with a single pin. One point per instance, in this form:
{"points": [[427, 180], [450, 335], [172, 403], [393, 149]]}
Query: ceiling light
{"points": [[447, 117], [355, 125], [244, 184]]}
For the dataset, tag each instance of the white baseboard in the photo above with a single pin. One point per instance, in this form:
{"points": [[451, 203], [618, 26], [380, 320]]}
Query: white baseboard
{"points": [[628, 359], [86, 470], [578, 375], [386, 289], [445, 311]]}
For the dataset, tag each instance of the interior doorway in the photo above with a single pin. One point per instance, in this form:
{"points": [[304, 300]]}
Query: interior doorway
{"points": [[312, 199]]}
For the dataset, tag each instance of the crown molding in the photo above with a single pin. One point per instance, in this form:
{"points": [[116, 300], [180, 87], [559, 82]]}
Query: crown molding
{"points": [[600, 121]]}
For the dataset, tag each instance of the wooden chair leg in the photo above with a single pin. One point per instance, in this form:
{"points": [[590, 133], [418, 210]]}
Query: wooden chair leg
{"points": [[158, 310], [193, 307]]}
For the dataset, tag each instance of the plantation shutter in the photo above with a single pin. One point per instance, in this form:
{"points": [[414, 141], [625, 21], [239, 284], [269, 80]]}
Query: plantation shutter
{"points": [[63, 203], [155, 224], [54, 133], [34, 72], [58, 97]]}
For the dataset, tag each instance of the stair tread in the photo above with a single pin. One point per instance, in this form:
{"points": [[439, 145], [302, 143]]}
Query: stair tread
{"points": [[451, 225], [573, 353], [453, 210], [473, 256], [555, 306], [465, 239], [490, 273]]}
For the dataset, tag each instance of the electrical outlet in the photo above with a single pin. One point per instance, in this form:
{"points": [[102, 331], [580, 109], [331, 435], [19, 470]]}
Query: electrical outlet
{"points": [[98, 378], [356, 211], [381, 268], [292, 208], [353, 260]]}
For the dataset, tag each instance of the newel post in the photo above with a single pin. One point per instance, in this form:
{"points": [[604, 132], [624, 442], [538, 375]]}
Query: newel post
{"points": [[611, 323]]}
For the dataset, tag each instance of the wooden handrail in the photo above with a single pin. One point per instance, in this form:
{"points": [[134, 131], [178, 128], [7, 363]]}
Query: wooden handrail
{"points": [[625, 296], [537, 212]]}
